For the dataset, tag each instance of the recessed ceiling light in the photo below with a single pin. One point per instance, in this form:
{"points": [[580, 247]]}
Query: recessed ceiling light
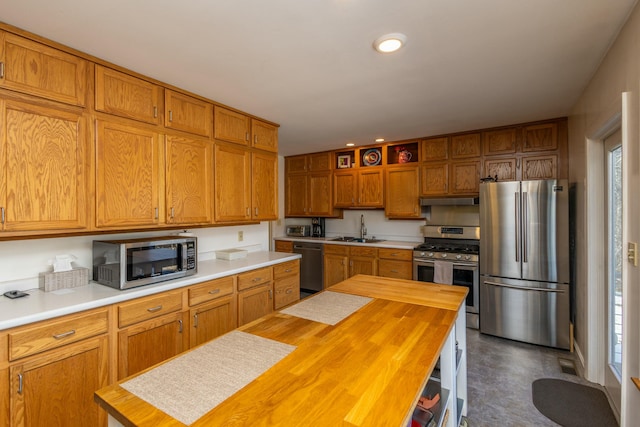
{"points": [[350, 144], [390, 42], [379, 139]]}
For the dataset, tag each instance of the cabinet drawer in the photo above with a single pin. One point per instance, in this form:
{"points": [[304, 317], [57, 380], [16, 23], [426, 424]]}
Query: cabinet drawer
{"points": [[395, 269], [286, 291], [27, 341], [210, 290], [285, 269], [363, 251], [336, 250], [400, 254], [254, 278], [148, 308], [283, 246]]}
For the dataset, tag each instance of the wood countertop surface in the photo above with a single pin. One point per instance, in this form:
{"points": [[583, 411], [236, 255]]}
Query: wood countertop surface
{"points": [[367, 370]]}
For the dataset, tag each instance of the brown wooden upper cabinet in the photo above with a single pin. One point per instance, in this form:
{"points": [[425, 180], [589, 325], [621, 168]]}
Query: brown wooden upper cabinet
{"points": [[308, 163], [435, 149], [188, 114], [466, 146], [33, 68], [126, 96], [308, 185], [238, 128], [359, 188]]}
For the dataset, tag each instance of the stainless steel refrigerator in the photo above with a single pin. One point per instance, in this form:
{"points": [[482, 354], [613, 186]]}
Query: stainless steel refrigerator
{"points": [[524, 261]]}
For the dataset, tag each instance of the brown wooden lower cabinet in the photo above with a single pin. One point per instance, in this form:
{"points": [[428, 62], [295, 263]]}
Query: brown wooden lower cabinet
{"points": [[395, 263], [56, 388], [286, 284], [4, 396], [254, 303], [145, 344], [212, 319]]}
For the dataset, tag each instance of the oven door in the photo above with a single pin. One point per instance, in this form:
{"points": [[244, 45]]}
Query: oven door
{"points": [[464, 274]]}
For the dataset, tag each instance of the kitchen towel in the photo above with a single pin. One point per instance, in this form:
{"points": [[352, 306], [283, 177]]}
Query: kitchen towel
{"points": [[193, 384], [443, 272], [327, 307]]}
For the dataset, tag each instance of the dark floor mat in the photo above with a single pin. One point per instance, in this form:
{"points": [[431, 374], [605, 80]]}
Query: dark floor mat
{"points": [[570, 404]]}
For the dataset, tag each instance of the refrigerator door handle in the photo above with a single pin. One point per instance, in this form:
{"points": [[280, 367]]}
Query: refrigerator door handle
{"points": [[524, 229], [523, 288], [517, 225]]}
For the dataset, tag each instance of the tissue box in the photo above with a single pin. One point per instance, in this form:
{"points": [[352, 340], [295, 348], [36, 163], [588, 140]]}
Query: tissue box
{"points": [[78, 276], [230, 254]]}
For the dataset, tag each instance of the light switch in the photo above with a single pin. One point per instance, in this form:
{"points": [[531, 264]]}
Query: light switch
{"points": [[632, 253]]}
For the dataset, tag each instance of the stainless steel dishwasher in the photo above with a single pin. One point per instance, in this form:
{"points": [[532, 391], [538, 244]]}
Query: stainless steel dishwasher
{"points": [[311, 265]]}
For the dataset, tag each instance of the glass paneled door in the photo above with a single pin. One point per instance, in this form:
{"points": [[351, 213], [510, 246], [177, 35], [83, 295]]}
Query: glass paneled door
{"points": [[613, 159]]}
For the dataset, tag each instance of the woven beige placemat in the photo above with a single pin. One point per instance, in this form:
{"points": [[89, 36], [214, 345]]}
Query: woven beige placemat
{"points": [[327, 307], [191, 385]]}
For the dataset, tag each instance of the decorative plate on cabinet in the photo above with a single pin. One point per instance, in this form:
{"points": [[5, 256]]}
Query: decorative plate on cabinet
{"points": [[371, 157]]}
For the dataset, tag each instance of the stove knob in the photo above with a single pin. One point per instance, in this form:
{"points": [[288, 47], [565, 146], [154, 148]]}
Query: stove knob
{"points": [[430, 255], [467, 257], [443, 255], [460, 256]]}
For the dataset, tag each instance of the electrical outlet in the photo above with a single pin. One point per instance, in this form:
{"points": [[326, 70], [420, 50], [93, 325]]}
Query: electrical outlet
{"points": [[279, 222], [240, 236]]}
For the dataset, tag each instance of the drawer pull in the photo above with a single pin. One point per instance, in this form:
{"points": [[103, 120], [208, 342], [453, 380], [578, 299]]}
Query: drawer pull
{"points": [[257, 279], [214, 291], [20, 383], [154, 309], [394, 271], [65, 334], [179, 326], [288, 291], [288, 270]]}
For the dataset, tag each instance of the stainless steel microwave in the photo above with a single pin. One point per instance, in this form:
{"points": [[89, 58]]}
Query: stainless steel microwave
{"points": [[124, 264]]}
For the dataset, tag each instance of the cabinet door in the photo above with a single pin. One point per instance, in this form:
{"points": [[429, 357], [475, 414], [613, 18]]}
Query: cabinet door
{"points": [[540, 137], [127, 175], [212, 319], [319, 162], [286, 291], [230, 126], [57, 388], [254, 303], [465, 146], [359, 265], [465, 178], [395, 269], [264, 191], [539, 167], [36, 69], [127, 96], [336, 269], [4, 396], [501, 141], [435, 179], [189, 180], [402, 189], [44, 168], [296, 195], [295, 164], [283, 246], [265, 136], [503, 168], [232, 183], [319, 200], [435, 149], [370, 193], [187, 114], [146, 344], [345, 189]]}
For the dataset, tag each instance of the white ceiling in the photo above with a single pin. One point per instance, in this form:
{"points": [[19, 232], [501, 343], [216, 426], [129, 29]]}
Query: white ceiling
{"points": [[309, 65]]}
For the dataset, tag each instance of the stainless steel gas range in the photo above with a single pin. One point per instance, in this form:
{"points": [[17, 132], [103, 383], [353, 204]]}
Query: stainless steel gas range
{"points": [[459, 247]]}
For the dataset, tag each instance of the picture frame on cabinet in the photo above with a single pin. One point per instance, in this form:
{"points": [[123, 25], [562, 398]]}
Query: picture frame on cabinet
{"points": [[344, 161]]}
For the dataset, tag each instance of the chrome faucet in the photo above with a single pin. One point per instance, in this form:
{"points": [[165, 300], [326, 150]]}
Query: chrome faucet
{"points": [[363, 229]]}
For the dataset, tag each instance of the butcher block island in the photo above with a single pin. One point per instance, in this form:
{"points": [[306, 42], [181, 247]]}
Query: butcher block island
{"points": [[368, 351]]}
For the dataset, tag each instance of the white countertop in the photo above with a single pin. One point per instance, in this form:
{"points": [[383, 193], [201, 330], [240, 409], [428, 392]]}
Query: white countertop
{"points": [[392, 244], [40, 305]]}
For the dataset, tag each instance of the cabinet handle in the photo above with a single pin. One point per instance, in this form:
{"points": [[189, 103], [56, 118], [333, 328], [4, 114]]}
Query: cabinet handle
{"points": [[170, 115], [255, 139], [1, 70], [65, 334], [155, 111], [288, 270], [394, 271], [154, 309], [248, 212], [2, 215], [270, 294], [179, 326], [195, 320], [214, 291], [246, 136], [20, 383], [256, 209], [156, 213], [172, 213]]}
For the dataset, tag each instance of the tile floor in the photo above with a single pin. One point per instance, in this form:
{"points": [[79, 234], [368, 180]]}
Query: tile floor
{"points": [[499, 377]]}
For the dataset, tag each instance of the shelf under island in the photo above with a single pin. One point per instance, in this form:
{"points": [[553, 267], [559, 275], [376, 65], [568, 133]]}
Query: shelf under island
{"points": [[360, 353]]}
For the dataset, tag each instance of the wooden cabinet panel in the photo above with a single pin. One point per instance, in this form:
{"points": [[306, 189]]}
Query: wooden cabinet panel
{"points": [[286, 269], [502, 168], [231, 126], [540, 137], [127, 175], [464, 146], [265, 135], [370, 188], [501, 141], [4, 397], [395, 254], [286, 291], [363, 251], [395, 269], [435, 179], [539, 167], [435, 149], [345, 189], [187, 114], [44, 174], [264, 190], [295, 164], [319, 194], [147, 308], [402, 188], [232, 183], [363, 266], [30, 340], [336, 249], [189, 180], [465, 177], [296, 194], [211, 289], [127, 96], [254, 278], [254, 303], [146, 344], [210, 320], [336, 268], [319, 162], [36, 69], [57, 389], [283, 246]]}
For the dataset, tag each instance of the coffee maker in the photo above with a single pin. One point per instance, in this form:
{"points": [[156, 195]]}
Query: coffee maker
{"points": [[317, 227]]}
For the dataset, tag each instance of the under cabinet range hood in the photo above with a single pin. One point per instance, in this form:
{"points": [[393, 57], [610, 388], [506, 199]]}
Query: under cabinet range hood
{"points": [[449, 201]]}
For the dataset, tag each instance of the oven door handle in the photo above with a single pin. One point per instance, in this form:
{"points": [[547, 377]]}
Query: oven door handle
{"points": [[523, 288], [455, 264]]}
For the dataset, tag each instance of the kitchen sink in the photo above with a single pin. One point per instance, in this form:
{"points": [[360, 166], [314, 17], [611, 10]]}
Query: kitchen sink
{"points": [[357, 240], [343, 239]]}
